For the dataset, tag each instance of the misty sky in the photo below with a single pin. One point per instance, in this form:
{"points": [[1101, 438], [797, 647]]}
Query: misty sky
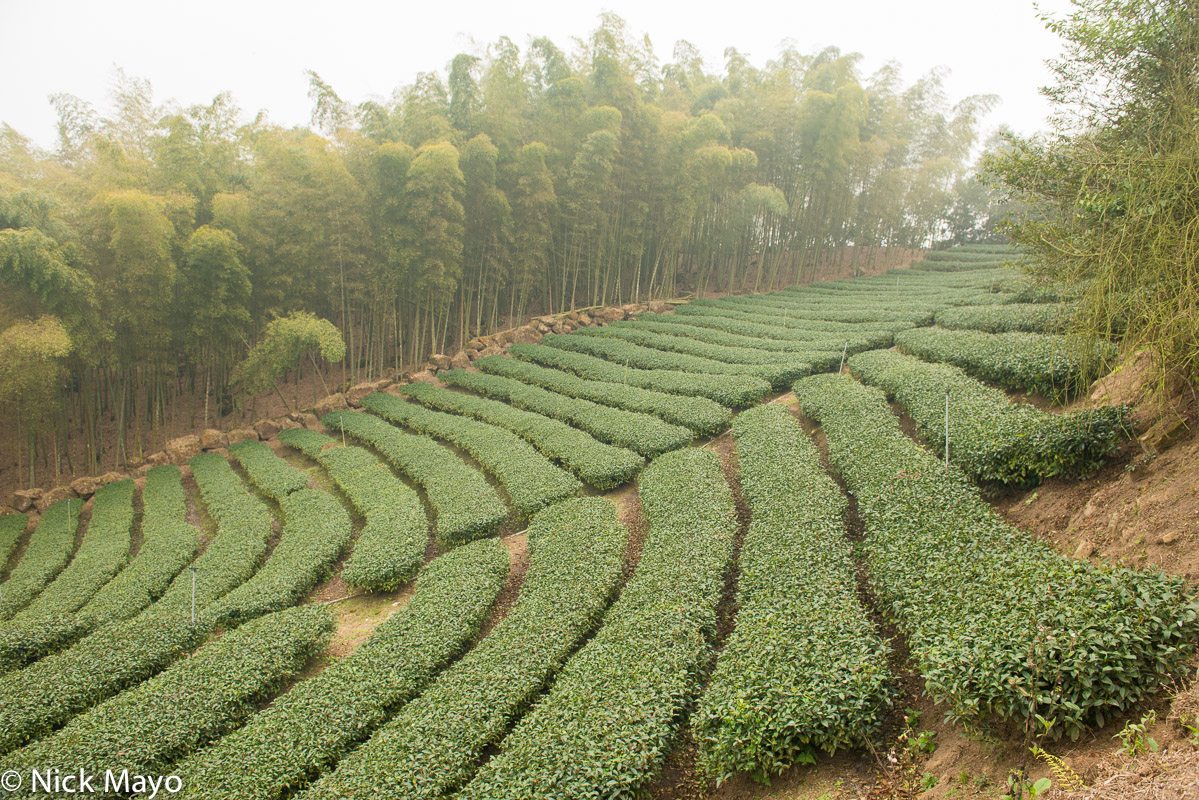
{"points": [[259, 50]]}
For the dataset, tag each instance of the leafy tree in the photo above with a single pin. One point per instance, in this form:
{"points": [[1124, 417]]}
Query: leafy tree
{"points": [[32, 376], [284, 343]]}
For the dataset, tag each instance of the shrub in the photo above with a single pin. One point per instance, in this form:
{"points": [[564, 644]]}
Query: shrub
{"points": [[50, 547], [1027, 317], [864, 339], [733, 391], [12, 526], [991, 438], [273, 476], [305, 732], [699, 414], [644, 434], [465, 504], [433, 744], [390, 548], [682, 343], [803, 668], [611, 715], [600, 465], [531, 480], [1000, 625]]}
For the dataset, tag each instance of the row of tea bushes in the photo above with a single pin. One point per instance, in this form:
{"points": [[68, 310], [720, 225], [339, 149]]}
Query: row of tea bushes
{"points": [[273, 476], [306, 731], [1025, 317], [12, 526], [597, 464], [804, 668], [680, 342], [1001, 626], [465, 504], [609, 719], [532, 481], [732, 391], [434, 743], [390, 548], [50, 547], [991, 438]]}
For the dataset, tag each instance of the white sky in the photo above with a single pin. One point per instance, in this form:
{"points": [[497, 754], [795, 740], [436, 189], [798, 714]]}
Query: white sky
{"points": [[259, 50]]}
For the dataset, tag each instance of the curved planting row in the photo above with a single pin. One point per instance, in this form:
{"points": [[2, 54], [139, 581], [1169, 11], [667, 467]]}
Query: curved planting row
{"points": [[781, 310], [600, 465], [991, 438], [50, 547], [306, 731], [531, 480], [316, 531], [1000, 625], [684, 344], [464, 502], [959, 255], [102, 552], [11, 528], [640, 357], [434, 743], [146, 728], [1044, 364], [798, 331], [390, 548], [795, 320], [644, 434], [1026, 317], [125, 653], [608, 720], [733, 391], [860, 340], [804, 668], [273, 476], [699, 414]]}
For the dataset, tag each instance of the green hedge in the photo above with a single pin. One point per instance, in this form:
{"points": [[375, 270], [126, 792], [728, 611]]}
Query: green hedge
{"points": [[699, 414], [990, 438], [800, 321], [125, 653], [434, 743], [102, 553], [644, 434], [860, 340], [390, 548], [316, 531], [201, 697], [1058, 367], [531, 480], [634, 355], [304, 732], [797, 331], [960, 255], [780, 311], [597, 464], [465, 504], [733, 391], [273, 476], [49, 549], [682, 343], [609, 719], [11, 528], [1026, 317], [804, 668], [1000, 625]]}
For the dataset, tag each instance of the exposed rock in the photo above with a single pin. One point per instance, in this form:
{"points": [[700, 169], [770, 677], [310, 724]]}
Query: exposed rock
{"points": [[568, 326], [559, 327], [134, 463], [159, 459], [356, 393], [585, 319], [85, 486], [180, 450], [246, 434], [471, 355], [612, 313], [287, 424], [112, 476], [52, 496], [573, 316], [23, 499], [548, 319], [1084, 550], [141, 471], [658, 307], [475, 344], [1164, 432], [1169, 537], [441, 361], [267, 428], [211, 439], [329, 403], [460, 360], [526, 334], [425, 376], [488, 341], [310, 421], [492, 350], [542, 327]]}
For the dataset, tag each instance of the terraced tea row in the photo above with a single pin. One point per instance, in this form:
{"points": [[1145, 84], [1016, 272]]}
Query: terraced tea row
{"points": [[49, 550]]}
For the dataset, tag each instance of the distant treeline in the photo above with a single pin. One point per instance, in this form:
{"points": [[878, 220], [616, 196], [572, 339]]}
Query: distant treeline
{"points": [[143, 257]]}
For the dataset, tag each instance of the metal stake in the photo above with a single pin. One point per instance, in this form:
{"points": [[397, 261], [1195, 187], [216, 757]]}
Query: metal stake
{"points": [[193, 569]]}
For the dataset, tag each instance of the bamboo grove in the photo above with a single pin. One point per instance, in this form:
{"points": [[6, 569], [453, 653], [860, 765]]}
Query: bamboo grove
{"points": [[144, 256]]}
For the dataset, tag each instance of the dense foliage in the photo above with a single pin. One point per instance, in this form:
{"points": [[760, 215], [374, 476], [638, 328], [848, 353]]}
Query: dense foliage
{"points": [[1000, 624], [390, 548], [307, 730], [433, 744], [12, 527], [804, 668], [1028, 317], [607, 722], [268, 473], [50, 548]]}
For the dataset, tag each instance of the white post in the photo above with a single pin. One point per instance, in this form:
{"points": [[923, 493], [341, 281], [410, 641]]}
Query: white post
{"points": [[947, 430], [626, 371], [193, 569], [844, 350]]}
